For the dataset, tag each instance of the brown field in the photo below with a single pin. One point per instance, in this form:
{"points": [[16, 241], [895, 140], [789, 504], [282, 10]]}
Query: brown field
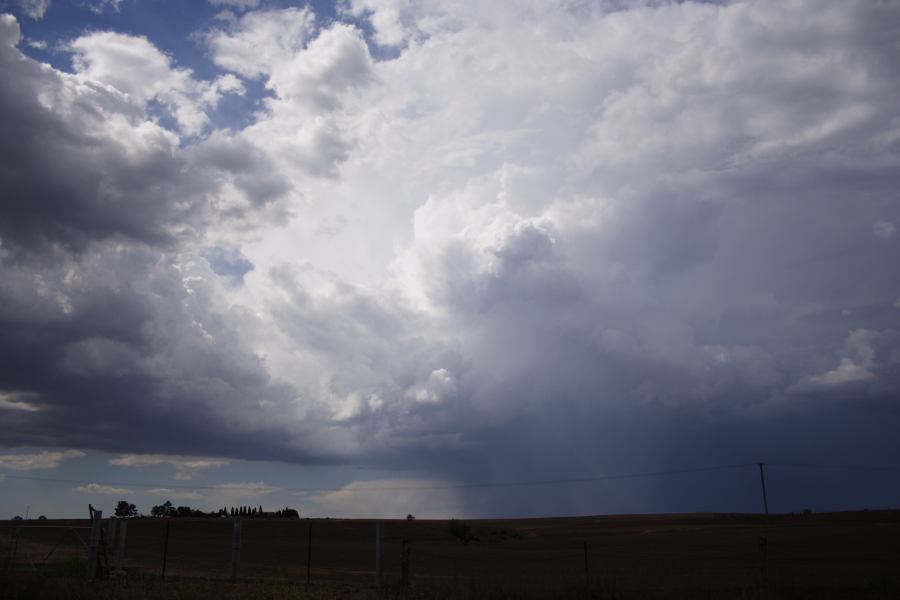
{"points": [[697, 555]]}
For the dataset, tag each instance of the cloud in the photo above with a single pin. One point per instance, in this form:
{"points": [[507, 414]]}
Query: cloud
{"points": [[390, 499], [514, 225], [95, 488], [884, 230], [239, 4], [42, 460], [389, 18], [185, 466], [260, 40], [35, 8], [13, 401], [247, 488], [136, 68], [176, 494]]}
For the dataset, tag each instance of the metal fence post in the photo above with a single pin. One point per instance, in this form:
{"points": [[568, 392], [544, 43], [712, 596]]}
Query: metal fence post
{"points": [[94, 544], [236, 550]]}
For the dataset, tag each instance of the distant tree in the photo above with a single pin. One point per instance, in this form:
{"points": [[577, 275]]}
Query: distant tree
{"points": [[42, 518], [410, 517], [260, 510], [125, 509], [461, 531], [232, 511], [17, 518], [163, 510], [290, 513]]}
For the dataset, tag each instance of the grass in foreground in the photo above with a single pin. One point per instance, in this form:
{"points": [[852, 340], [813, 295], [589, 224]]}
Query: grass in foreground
{"points": [[65, 580]]}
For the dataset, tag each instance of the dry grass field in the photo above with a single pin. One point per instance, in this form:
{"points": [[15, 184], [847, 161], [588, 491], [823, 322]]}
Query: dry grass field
{"points": [[834, 555]]}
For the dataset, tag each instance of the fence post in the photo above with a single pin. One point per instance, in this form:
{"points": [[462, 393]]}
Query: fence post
{"points": [[404, 562], [379, 553], [166, 547], [14, 548], [587, 571], [763, 560], [308, 552], [111, 530], [93, 546], [236, 550], [120, 548]]}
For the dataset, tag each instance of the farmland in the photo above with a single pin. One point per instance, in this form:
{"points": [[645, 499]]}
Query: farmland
{"points": [[644, 556]]}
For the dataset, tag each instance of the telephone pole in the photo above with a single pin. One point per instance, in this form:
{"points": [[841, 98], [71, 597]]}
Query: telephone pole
{"points": [[762, 480]]}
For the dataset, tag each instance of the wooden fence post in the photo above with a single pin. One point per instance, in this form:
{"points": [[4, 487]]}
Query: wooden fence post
{"points": [[379, 553], [111, 530], [120, 548], [14, 548], [236, 550], [94, 545]]}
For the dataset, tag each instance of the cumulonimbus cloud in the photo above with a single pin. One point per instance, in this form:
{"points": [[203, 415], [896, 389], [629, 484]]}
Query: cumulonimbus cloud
{"points": [[516, 223]]}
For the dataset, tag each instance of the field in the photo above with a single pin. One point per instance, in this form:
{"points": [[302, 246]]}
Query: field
{"points": [[647, 556]]}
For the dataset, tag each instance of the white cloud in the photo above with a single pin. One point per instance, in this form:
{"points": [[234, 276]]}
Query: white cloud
{"points": [[390, 19], [14, 401], [176, 494], [134, 66], [98, 6], [863, 348], [96, 488], [239, 4], [884, 230], [35, 8], [43, 460], [185, 466], [247, 488], [846, 372], [257, 42], [390, 499]]}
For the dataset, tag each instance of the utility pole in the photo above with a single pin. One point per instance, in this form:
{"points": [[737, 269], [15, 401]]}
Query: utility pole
{"points": [[762, 480]]}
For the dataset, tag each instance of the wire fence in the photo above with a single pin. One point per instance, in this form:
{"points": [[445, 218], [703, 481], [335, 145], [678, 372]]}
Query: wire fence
{"points": [[713, 551]]}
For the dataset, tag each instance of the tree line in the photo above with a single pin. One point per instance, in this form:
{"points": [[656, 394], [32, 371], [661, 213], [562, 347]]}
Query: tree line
{"points": [[166, 509]]}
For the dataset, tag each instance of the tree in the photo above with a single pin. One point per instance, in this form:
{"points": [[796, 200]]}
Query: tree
{"points": [[125, 509], [163, 510]]}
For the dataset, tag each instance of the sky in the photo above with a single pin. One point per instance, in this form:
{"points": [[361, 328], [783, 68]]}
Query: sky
{"points": [[377, 257]]}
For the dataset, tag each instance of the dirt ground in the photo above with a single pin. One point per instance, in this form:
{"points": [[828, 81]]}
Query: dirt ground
{"points": [[641, 552]]}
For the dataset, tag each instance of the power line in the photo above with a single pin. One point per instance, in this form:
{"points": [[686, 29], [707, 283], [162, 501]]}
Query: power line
{"points": [[479, 485], [830, 466]]}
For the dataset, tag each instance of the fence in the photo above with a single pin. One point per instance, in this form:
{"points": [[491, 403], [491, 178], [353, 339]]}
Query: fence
{"points": [[712, 551]]}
